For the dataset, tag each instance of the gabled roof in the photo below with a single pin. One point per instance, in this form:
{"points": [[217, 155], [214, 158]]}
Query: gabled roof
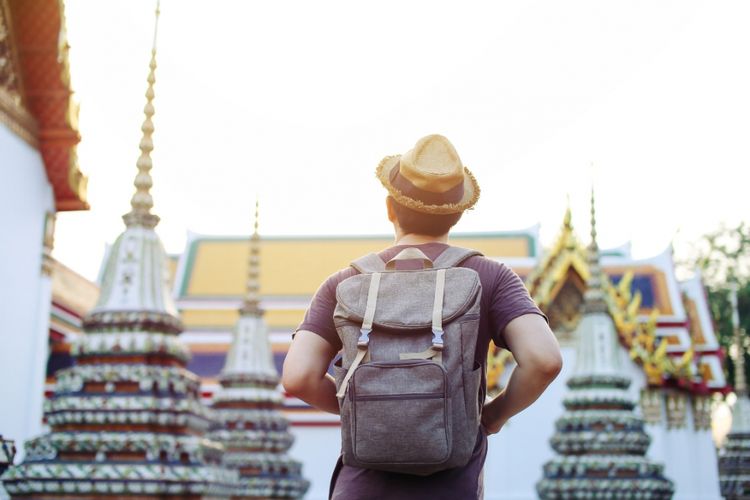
{"points": [[213, 267], [566, 256]]}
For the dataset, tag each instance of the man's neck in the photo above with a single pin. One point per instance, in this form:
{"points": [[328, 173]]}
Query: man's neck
{"points": [[418, 239]]}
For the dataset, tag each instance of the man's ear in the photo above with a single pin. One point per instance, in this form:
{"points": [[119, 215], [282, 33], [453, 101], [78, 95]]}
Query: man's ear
{"points": [[391, 212]]}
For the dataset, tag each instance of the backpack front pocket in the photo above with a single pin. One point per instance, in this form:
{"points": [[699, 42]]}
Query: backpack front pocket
{"points": [[400, 413]]}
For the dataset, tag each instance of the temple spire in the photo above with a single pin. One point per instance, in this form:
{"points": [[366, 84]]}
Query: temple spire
{"points": [[251, 304], [594, 246], [142, 202], [598, 455], [734, 472], [253, 430], [594, 296], [740, 381]]}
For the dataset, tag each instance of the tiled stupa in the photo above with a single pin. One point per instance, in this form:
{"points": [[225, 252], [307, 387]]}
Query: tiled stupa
{"points": [[600, 442], [7, 452], [248, 405], [734, 459], [126, 419]]}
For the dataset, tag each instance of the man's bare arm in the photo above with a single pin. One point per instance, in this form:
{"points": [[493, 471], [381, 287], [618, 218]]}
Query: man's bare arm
{"points": [[537, 354], [305, 373]]}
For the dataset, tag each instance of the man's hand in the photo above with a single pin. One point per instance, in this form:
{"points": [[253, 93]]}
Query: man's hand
{"points": [[305, 373], [492, 422], [539, 361]]}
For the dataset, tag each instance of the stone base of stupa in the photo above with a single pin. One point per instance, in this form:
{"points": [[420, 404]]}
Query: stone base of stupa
{"points": [[734, 466], [604, 477]]}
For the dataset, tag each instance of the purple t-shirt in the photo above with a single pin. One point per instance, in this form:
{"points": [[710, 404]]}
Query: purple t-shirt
{"points": [[504, 298]]}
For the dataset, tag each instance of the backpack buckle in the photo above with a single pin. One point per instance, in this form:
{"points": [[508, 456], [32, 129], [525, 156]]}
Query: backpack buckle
{"points": [[364, 337], [437, 339]]}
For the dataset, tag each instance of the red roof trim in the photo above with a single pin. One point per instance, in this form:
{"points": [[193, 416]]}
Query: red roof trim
{"points": [[38, 26]]}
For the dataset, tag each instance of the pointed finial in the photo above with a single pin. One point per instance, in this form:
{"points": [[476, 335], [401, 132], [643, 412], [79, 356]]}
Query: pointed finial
{"points": [[594, 245], [593, 299], [255, 225], [142, 202], [251, 304], [568, 220], [567, 238]]}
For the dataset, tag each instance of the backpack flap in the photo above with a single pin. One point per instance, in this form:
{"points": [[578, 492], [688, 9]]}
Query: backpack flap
{"points": [[405, 298]]}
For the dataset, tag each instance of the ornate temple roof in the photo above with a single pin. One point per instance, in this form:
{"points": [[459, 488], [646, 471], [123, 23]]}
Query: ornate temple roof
{"points": [[666, 325], [36, 98]]}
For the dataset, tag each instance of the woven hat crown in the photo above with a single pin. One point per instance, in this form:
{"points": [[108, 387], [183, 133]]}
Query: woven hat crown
{"points": [[432, 165], [429, 178]]}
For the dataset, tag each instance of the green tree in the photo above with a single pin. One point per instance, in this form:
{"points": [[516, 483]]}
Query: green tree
{"points": [[723, 257]]}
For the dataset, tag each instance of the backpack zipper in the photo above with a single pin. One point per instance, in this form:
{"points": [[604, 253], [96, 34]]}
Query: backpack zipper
{"points": [[387, 397]]}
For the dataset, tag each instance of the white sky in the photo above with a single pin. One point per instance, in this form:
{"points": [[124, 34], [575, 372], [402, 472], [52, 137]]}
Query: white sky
{"points": [[297, 102]]}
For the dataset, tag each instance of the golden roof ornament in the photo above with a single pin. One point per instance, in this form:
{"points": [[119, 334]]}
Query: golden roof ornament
{"points": [[567, 229], [142, 201]]}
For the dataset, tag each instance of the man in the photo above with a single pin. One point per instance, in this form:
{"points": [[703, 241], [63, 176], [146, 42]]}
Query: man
{"points": [[428, 190]]}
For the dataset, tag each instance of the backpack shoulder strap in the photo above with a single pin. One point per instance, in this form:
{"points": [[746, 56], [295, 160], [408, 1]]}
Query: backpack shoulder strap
{"points": [[370, 263], [453, 256]]}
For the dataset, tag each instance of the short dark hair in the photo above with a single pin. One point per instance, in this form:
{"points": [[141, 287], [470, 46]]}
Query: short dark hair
{"points": [[413, 222]]}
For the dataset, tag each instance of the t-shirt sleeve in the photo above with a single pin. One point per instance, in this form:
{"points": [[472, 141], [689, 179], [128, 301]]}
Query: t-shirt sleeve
{"points": [[319, 316], [510, 299]]}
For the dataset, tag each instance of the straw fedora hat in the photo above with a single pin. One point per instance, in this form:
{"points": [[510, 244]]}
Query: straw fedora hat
{"points": [[429, 178]]}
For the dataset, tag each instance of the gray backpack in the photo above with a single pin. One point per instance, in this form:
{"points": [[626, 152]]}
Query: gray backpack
{"points": [[408, 386]]}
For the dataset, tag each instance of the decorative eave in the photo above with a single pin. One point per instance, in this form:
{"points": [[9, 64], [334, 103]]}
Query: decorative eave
{"points": [[39, 107], [566, 255]]}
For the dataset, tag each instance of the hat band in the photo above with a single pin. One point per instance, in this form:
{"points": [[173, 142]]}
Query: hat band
{"points": [[453, 195]]}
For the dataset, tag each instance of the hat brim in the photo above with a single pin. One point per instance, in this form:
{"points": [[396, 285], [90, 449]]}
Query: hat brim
{"points": [[470, 197]]}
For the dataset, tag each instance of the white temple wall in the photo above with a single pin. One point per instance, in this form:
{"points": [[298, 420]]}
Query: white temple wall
{"points": [[705, 466], [517, 454], [678, 449], [689, 456], [25, 294], [318, 449]]}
